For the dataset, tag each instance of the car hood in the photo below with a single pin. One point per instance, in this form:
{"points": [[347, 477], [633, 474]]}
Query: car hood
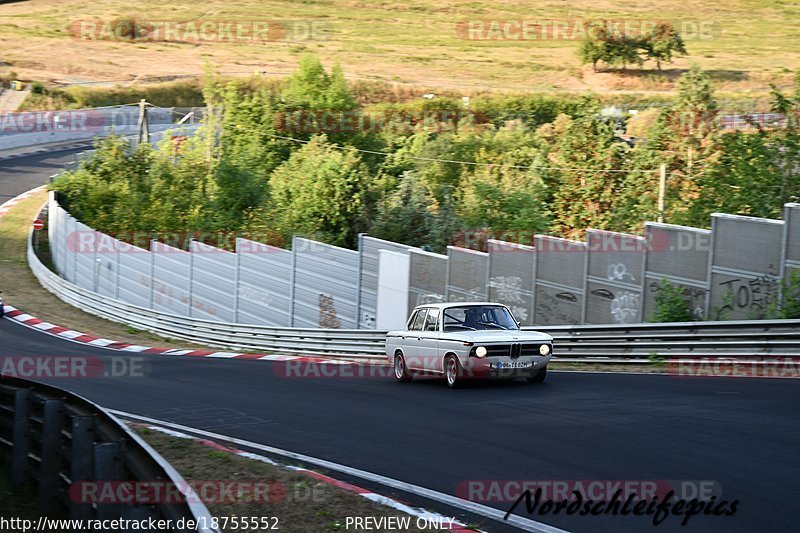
{"points": [[493, 336]]}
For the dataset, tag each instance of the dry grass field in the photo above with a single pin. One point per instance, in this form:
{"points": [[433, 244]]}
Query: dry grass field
{"points": [[745, 44]]}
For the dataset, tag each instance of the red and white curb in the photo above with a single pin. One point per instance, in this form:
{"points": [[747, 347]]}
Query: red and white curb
{"points": [[82, 338], [418, 512]]}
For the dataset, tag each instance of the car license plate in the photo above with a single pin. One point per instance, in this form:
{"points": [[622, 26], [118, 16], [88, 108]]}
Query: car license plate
{"points": [[514, 364]]}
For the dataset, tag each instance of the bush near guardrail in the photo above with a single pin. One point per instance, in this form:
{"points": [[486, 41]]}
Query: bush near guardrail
{"points": [[53, 438]]}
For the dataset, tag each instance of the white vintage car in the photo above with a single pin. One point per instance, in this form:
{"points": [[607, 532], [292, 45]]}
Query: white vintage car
{"points": [[467, 340]]}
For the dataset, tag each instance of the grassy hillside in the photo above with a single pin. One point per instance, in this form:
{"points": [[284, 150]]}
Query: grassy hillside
{"points": [[751, 42]]}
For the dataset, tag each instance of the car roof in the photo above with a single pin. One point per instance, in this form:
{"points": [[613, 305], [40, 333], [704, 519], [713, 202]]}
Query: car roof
{"points": [[447, 305]]}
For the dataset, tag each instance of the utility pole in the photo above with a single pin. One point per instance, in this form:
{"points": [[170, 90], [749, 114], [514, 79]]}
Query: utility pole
{"points": [[662, 186], [142, 127]]}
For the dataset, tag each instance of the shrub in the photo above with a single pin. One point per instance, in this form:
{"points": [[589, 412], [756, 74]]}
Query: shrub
{"points": [[672, 304]]}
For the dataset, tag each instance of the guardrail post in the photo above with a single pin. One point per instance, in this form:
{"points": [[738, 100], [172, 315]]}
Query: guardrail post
{"points": [[191, 276], [82, 465], [21, 444], [51, 459], [292, 281], [108, 467], [150, 296], [116, 281], [360, 279], [236, 283]]}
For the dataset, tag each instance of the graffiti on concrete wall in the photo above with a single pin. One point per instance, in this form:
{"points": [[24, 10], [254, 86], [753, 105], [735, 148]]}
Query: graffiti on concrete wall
{"points": [[623, 306], [619, 272], [755, 294], [429, 298], [474, 294], [559, 308], [508, 290], [327, 313]]}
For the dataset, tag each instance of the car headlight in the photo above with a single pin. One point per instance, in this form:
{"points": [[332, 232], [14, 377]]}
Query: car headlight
{"points": [[544, 349], [480, 351]]}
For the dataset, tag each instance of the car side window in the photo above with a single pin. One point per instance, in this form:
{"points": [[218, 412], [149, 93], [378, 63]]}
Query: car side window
{"points": [[417, 321], [411, 319], [432, 322]]}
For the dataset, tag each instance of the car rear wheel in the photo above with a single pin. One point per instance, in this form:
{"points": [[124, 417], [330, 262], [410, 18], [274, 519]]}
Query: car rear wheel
{"points": [[452, 371], [401, 373], [539, 376]]}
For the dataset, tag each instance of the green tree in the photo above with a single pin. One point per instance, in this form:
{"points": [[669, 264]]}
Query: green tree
{"points": [[503, 192], [320, 192], [611, 47], [339, 96], [662, 43], [786, 141], [406, 214], [310, 87], [694, 141], [505, 200], [592, 51], [111, 191], [587, 188], [624, 50], [746, 180]]}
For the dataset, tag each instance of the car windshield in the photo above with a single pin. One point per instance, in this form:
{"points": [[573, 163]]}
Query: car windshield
{"points": [[478, 317]]}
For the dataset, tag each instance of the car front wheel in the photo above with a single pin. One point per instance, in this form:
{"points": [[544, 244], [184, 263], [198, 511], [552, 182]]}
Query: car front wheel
{"points": [[401, 373], [539, 376], [452, 371]]}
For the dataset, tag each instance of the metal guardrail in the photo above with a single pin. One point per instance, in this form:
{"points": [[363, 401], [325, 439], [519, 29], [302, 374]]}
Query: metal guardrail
{"points": [[735, 338], [53, 438]]}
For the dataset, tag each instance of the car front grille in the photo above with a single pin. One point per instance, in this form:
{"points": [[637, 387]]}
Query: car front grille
{"points": [[513, 350]]}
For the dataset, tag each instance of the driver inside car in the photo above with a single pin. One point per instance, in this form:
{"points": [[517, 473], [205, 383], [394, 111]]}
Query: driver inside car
{"points": [[471, 318]]}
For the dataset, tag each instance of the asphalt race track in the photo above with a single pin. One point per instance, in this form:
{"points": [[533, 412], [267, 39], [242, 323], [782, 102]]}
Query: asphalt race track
{"points": [[742, 434], [24, 173]]}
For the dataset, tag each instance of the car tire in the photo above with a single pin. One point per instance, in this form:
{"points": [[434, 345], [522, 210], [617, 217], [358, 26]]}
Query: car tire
{"points": [[539, 376], [452, 372], [401, 373]]}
